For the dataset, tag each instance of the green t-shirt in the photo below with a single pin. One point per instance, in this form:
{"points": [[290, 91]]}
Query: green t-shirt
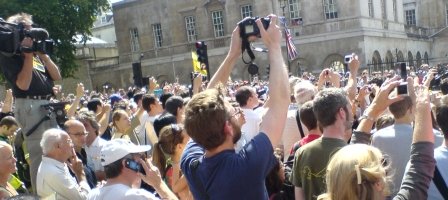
{"points": [[310, 165]]}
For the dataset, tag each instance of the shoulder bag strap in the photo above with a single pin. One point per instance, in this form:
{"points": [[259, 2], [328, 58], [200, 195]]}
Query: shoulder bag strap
{"points": [[194, 165], [299, 124], [440, 183]]}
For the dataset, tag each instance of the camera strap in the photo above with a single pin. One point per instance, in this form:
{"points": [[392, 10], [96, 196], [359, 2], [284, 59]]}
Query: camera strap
{"points": [[246, 47]]}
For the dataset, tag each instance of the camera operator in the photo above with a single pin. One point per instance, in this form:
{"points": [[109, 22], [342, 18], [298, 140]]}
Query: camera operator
{"points": [[31, 75]]}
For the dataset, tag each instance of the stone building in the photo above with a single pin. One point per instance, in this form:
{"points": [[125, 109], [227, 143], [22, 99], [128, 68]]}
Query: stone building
{"points": [[161, 34]]}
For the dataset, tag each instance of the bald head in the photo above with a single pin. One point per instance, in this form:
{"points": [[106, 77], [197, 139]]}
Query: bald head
{"points": [[77, 132]]}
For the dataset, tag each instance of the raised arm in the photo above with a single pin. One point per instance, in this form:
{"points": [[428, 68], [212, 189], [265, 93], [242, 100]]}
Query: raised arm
{"points": [[352, 82], [377, 107], [421, 163], [223, 73], [79, 93], [273, 121]]}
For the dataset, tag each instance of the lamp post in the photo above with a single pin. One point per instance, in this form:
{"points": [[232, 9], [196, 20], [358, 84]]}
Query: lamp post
{"points": [[282, 4]]}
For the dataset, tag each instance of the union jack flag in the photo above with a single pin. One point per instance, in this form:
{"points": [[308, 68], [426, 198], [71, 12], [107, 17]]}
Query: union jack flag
{"points": [[290, 47]]}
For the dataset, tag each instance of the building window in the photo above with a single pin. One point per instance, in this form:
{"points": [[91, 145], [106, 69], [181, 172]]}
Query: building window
{"points": [[218, 23], [190, 23], [294, 9], [410, 17], [246, 11], [394, 4], [371, 8], [104, 19], [330, 9], [157, 30], [135, 46], [446, 13], [383, 9]]}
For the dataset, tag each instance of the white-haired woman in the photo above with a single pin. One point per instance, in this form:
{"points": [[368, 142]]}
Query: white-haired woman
{"points": [[7, 168]]}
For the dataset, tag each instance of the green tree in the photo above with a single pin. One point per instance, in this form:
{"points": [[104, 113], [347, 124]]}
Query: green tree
{"points": [[63, 19]]}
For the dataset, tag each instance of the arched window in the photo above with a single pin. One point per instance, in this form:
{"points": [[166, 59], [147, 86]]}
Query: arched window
{"points": [[410, 59], [389, 60], [400, 57], [376, 61], [335, 62], [418, 57]]}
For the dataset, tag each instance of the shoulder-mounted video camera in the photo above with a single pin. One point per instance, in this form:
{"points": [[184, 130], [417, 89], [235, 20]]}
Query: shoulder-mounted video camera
{"points": [[11, 36]]}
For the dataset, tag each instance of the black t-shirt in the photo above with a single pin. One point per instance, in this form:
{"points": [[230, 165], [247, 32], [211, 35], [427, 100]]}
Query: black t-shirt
{"points": [[41, 82]]}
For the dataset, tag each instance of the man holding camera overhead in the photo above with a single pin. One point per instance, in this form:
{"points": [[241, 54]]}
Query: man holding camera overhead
{"points": [[31, 74]]}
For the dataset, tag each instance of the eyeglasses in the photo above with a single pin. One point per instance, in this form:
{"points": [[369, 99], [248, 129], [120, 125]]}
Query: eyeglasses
{"points": [[237, 112], [80, 134]]}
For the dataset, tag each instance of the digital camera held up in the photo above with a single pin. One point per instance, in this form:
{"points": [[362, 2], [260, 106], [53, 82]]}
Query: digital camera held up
{"points": [[248, 27], [11, 36]]}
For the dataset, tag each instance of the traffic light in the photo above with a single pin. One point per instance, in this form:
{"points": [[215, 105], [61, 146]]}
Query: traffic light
{"points": [[201, 51]]}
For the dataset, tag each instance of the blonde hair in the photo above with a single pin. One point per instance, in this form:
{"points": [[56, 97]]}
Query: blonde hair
{"points": [[353, 173]]}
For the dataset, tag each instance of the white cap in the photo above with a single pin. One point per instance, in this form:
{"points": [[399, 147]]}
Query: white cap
{"points": [[118, 148]]}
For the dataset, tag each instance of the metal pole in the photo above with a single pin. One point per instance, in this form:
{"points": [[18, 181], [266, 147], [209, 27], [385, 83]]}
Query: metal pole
{"points": [[286, 39]]}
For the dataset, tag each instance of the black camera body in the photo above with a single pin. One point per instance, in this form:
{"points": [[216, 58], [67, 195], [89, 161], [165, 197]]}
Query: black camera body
{"points": [[11, 36], [248, 26], [58, 109]]}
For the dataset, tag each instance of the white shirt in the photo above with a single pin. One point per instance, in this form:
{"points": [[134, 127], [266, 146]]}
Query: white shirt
{"points": [[252, 126], [119, 192], [249, 129], [94, 154], [53, 178]]}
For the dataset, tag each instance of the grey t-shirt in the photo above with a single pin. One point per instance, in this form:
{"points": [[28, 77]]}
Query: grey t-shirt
{"points": [[395, 142]]}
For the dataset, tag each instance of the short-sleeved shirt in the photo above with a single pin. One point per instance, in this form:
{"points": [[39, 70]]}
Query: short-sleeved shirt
{"points": [[119, 192], [230, 175], [310, 165], [41, 82]]}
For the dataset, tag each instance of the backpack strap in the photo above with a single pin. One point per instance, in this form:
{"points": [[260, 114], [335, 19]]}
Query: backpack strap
{"points": [[299, 124], [440, 183], [194, 165]]}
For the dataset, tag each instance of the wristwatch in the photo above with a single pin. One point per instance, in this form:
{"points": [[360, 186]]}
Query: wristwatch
{"points": [[365, 116]]}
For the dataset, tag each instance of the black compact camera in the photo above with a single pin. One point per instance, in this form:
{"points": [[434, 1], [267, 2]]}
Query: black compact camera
{"points": [[248, 27], [11, 36]]}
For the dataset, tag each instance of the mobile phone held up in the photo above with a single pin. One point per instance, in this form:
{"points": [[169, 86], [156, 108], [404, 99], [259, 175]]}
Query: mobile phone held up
{"points": [[134, 165], [402, 88], [403, 72]]}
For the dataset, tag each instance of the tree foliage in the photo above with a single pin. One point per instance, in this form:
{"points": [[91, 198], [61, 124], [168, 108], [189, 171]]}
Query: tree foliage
{"points": [[63, 19]]}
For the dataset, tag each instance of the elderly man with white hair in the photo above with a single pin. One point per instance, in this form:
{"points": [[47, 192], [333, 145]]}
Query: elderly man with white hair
{"points": [[303, 91], [53, 177]]}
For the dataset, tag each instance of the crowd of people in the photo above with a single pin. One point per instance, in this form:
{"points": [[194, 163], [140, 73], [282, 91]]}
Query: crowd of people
{"points": [[331, 137]]}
